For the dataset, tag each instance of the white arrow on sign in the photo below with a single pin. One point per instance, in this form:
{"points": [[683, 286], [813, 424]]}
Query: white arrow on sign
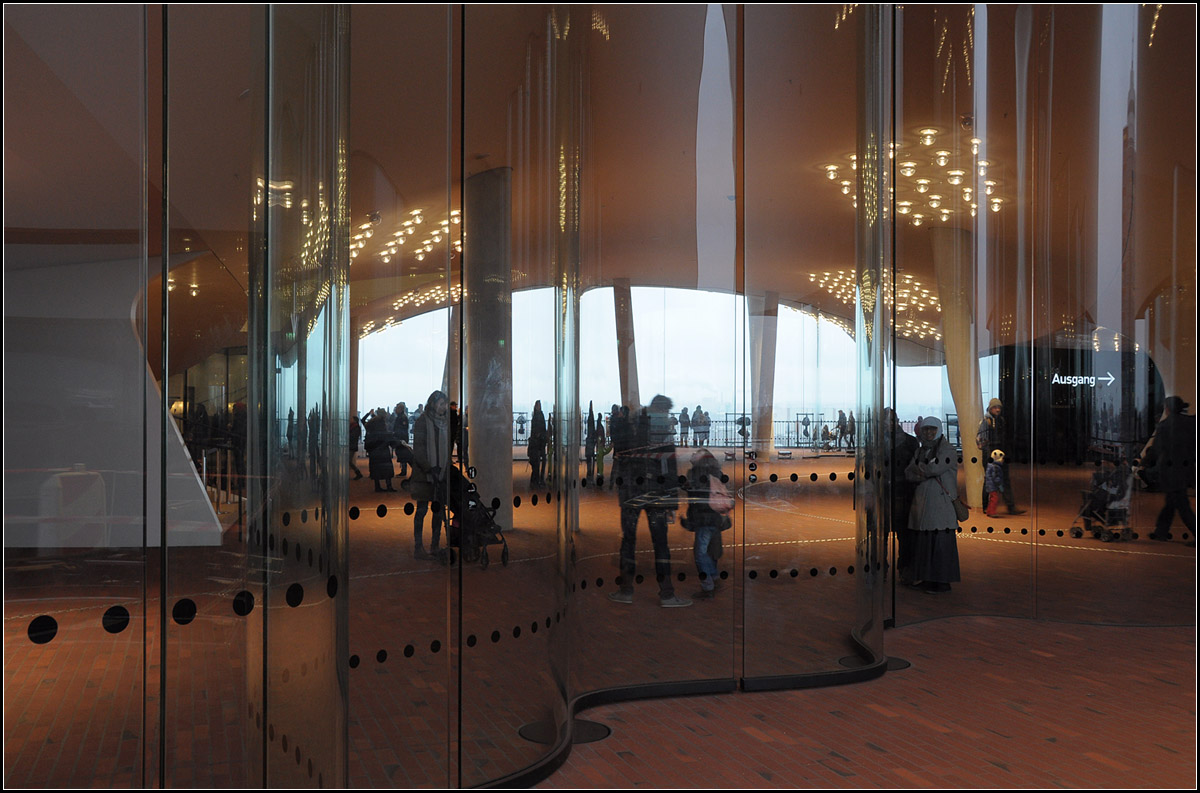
{"points": [[1110, 378]]}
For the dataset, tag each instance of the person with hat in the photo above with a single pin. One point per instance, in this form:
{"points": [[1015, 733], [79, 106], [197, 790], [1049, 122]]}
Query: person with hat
{"points": [[1169, 462], [991, 438]]}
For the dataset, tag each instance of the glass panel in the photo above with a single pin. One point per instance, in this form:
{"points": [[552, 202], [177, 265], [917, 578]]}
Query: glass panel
{"points": [[402, 700], [297, 504], [212, 579], [77, 398], [1115, 315], [520, 239], [662, 344], [801, 567]]}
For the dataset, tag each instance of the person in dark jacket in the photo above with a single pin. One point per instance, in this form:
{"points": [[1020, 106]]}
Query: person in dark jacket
{"points": [[400, 434], [378, 445], [355, 439], [538, 439], [648, 481], [708, 506], [1169, 462], [431, 458]]}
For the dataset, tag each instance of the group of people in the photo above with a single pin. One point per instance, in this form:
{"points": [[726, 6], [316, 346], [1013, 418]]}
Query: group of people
{"points": [[697, 425]]}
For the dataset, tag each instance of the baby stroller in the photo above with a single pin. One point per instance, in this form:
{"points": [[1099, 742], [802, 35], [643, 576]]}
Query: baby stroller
{"points": [[1105, 508], [472, 526]]}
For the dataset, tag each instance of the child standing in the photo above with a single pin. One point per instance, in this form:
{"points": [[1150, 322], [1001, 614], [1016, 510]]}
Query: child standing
{"points": [[993, 483]]}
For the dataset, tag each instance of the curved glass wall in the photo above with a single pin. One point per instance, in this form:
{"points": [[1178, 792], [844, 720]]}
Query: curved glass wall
{"points": [[488, 301]]}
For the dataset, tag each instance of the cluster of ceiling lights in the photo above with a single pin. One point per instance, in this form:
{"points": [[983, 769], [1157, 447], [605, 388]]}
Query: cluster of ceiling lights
{"points": [[398, 241], [933, 181], [911, 299], [437, 295]]}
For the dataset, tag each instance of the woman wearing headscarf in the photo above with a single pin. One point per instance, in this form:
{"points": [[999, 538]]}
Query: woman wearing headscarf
{"points": [[934, 469], [431, 456], [538, 439]]}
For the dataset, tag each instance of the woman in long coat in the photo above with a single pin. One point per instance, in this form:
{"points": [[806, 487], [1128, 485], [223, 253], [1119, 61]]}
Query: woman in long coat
{"points": [[378, 445], [934, 468], [431, 457]]}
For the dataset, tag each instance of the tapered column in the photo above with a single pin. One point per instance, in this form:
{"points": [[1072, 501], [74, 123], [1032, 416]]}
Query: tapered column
{"points": [[626, 349], [487, 279], [954, 267], [764, 322]]}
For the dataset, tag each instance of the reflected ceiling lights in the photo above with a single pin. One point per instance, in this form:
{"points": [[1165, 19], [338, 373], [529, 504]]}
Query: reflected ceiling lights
{"points": [[912, 300], [933, 184]]}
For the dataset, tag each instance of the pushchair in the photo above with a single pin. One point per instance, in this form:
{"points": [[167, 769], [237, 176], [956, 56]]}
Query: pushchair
{"points": [[472, 526], [1105, 509]]}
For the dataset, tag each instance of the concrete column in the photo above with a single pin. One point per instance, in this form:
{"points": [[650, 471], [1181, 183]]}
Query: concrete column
{"points": [[626, 349], [451, 375], [764, 329], [953, 267], [487, 282]]}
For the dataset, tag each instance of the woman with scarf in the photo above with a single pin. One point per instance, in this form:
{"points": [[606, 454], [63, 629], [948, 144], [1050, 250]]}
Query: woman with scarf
{"points": [[934, 469], [431, 452]]}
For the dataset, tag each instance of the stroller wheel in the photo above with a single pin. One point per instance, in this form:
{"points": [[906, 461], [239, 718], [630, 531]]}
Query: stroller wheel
{"points": [[1096, 535], [1106, 536], [1077, 533], [483, 557], [504, 555]]}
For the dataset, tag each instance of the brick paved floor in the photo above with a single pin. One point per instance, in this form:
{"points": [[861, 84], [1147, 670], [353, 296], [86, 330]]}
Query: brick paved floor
{"points": [[987, 702]]}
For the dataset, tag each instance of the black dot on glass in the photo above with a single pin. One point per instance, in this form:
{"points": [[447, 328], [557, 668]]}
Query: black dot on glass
{"points": [[774, 574], [297, 755], [283, 743], [682, 576], [284, 546], [974, 460], [850, 570], [533, 500], [271, 541], [294, 595], [409, 508], [850, 476], [1007, 530], [599, 582], [682, 480], [471, 640], [310, 557], [381, 656], [833, 571], [116, 619], [1060, 533], [640, 480], [184, 611], [774, 477], [753, 574], [1024, 531], [583, 584], [287, 519], [533, 627], [495, 636], [496, 502], [989, 529], [243, 603], [298, 552], [516, 501], [353, 513], [547, 498], [813, 477], [331, 586], [583, 482], [42, 629], [832, 476], [639, 578], [813, 572], [304, 516], [516, 631], [354, 662], [794, 572], [548, 622], [599, 481], [974, 529], [271, 732], [435, 646], [724, 574], [724, 478], [381, 510], [795, 478]]}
